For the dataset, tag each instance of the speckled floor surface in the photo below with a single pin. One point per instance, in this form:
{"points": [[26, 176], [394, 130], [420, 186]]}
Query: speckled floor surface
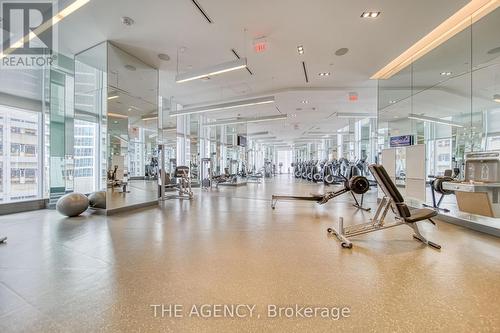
{"points": [[227, 246]]}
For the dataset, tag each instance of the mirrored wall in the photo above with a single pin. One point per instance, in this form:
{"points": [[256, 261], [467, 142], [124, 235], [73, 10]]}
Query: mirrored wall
{"points": [[448, 100], [132, 130]]}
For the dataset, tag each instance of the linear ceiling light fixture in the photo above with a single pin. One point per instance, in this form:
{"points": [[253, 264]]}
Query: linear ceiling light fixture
{"points": [[264, 138], [226, 106], [117, 115], [467, 15], [212, 70], [247, 120], [355, 115], [202, 11], [305, 71], [238, 57], [58, 17], [433, 120], [149, 117], [257, 133]]}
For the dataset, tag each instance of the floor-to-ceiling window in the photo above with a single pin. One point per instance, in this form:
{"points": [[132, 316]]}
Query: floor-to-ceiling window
{"points": [[20, 154], [20, 135]]}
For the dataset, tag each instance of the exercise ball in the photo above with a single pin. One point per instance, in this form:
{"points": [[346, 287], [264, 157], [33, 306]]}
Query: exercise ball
{"points": [[98, 199], [72, 204]]}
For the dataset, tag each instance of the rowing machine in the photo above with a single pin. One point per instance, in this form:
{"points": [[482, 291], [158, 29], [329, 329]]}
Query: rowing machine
{"points": [[437, 187], [356, 185]]}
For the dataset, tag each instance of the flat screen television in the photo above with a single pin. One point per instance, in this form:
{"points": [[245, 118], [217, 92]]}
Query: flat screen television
{"points": [[401, 141], [242, 141]]}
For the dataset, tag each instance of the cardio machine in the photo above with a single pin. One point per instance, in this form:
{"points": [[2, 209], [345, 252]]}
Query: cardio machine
{"points": [[355, 185], [437, 187]]}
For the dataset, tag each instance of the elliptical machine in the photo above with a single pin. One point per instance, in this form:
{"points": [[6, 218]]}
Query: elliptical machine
{"points": [[298, 169], [318, 171]]}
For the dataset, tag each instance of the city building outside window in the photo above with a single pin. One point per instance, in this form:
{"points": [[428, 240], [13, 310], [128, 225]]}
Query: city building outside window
{"points": [[20, 167]]}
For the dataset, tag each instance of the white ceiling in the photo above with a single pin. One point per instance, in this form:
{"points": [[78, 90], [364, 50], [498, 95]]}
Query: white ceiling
{"points": [[321, 26]]}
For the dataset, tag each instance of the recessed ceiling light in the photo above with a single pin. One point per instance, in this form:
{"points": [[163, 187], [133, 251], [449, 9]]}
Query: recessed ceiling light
{"points": [[130, 68], [324, 74], [305, 102], [164, 57], [496, 98], [127, 20], [445, 73], [370, 14], [392, 102], [300, 49]]}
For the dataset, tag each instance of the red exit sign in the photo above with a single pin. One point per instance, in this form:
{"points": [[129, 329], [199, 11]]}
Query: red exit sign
{"points": [[260, 45]]}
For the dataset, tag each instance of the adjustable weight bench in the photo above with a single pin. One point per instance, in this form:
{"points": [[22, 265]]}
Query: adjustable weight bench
{"points": [[394, 200]]}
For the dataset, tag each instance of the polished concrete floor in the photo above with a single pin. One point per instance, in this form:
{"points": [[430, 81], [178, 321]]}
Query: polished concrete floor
{"points": [[139, 191], [97, 273]]}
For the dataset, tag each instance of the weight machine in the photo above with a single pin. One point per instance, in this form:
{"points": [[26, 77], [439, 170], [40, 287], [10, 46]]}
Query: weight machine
{"points": [[181, 183]]}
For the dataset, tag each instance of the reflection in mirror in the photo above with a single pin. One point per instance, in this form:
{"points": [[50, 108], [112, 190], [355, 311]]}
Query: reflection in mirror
{"points": [[453, 107], [194, 141], [90, 132], [132, 130]]}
